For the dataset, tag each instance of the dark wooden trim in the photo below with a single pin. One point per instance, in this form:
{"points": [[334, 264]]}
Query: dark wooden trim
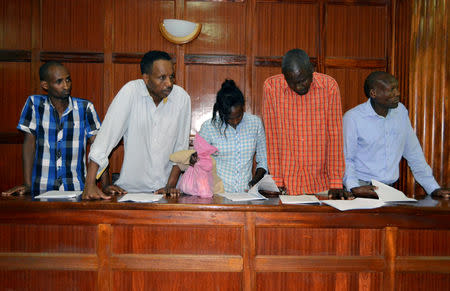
{"points": [[228, 1], [127, 58], [215, 59], [359, 2], [72, 57], [133, 58], [288, 1], [276, 61], [332, 62], [11, 138], [268, 61], [15, 56]]}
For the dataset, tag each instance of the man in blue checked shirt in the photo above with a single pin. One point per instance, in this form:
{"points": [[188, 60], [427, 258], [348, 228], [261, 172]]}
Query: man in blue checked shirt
{"points": [[57, 128]]}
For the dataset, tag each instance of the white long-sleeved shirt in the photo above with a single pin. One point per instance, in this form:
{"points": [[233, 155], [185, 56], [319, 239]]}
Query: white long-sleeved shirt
{"points": [[374, 145], [150, 134]]}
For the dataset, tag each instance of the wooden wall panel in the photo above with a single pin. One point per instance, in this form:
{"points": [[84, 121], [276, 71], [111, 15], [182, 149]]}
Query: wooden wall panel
{"points": [[285, 25], [48, 238], [223, 27], [202, 84], [15, 84], [133, 280], [351, 85], [423, 243], [74, 25], [10, 166], [191, 240], [261, 74], [92, 74], [15, 24], [429, 77], [357, 31], [122, 74], [319, 281], [421, 281], [318, 241], [48, 280], [136, 25]]}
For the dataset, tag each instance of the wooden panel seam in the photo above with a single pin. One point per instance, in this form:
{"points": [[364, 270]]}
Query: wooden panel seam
{"points": [[432, 264], [318, 263], [189, 263], [47, 261]]}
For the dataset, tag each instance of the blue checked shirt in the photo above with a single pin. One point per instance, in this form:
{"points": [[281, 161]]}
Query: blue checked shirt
{"points": [[60, 155], [236, 148]]}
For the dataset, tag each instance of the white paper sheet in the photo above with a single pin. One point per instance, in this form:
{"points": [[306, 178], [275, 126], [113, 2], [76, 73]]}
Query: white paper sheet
{"points": [[266, 183], [388, 194], [357, 203], [141, 197], [299, 199], [59, 194], [244, 196]]}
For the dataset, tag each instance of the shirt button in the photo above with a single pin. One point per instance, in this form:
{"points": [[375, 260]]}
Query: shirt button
{"points": [[58, 154]]}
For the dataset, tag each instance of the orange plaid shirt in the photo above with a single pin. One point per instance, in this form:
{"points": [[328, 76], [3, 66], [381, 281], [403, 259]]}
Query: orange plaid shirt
{"points": [[304, 135]]}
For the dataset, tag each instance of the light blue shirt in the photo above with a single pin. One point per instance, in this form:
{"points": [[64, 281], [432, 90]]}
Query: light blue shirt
{"points": [[374, 145], [236, 148]]}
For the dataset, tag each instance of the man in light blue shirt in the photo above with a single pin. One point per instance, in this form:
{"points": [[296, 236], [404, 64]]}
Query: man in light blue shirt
{"points": [[376, 136]]}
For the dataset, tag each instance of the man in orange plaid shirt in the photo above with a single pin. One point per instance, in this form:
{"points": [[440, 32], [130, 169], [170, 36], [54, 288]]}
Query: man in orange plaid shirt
{"points": [[303, 120]]}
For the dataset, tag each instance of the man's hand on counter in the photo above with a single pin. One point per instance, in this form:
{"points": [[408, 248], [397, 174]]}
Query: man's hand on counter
{"points": [[441, 193], [169, 191], [367, 191], [113, 190], [92, 192], [338, 193], [21, 190]]}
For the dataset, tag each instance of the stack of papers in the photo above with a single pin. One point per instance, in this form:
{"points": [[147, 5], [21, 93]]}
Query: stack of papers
{"points": [[299, 199], [357, 203], [244, 196], [386, 195], [141, 197], [266, 183], [59, 194]]}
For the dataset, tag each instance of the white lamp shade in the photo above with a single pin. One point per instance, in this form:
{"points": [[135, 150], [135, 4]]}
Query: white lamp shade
{"points": [[179, 31]]}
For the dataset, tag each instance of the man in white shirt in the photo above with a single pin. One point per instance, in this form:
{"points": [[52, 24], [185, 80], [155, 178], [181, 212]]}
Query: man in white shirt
{"points": [[153, 116]]}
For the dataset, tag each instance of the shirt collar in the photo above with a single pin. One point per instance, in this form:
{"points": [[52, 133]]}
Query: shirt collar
{"points": [[238, 127], [316, 83], [69, 108], [368, 109], [143, 91]]}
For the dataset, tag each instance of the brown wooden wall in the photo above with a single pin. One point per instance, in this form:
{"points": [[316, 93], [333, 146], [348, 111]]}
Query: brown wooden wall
{"points": [[101, 42]]}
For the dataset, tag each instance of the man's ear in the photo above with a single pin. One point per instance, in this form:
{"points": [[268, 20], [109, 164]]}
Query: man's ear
{"points": [[44, 85], [372, 93], [145, 77]]}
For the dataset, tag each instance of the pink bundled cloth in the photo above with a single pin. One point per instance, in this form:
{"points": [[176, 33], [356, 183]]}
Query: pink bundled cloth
{"points": [[198, 179]]}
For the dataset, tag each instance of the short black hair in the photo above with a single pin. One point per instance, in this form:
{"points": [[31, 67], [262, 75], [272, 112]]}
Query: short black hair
{"points": [[228, 96], [43, 70], [296, 59], [150, 57], [373, 79]]}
